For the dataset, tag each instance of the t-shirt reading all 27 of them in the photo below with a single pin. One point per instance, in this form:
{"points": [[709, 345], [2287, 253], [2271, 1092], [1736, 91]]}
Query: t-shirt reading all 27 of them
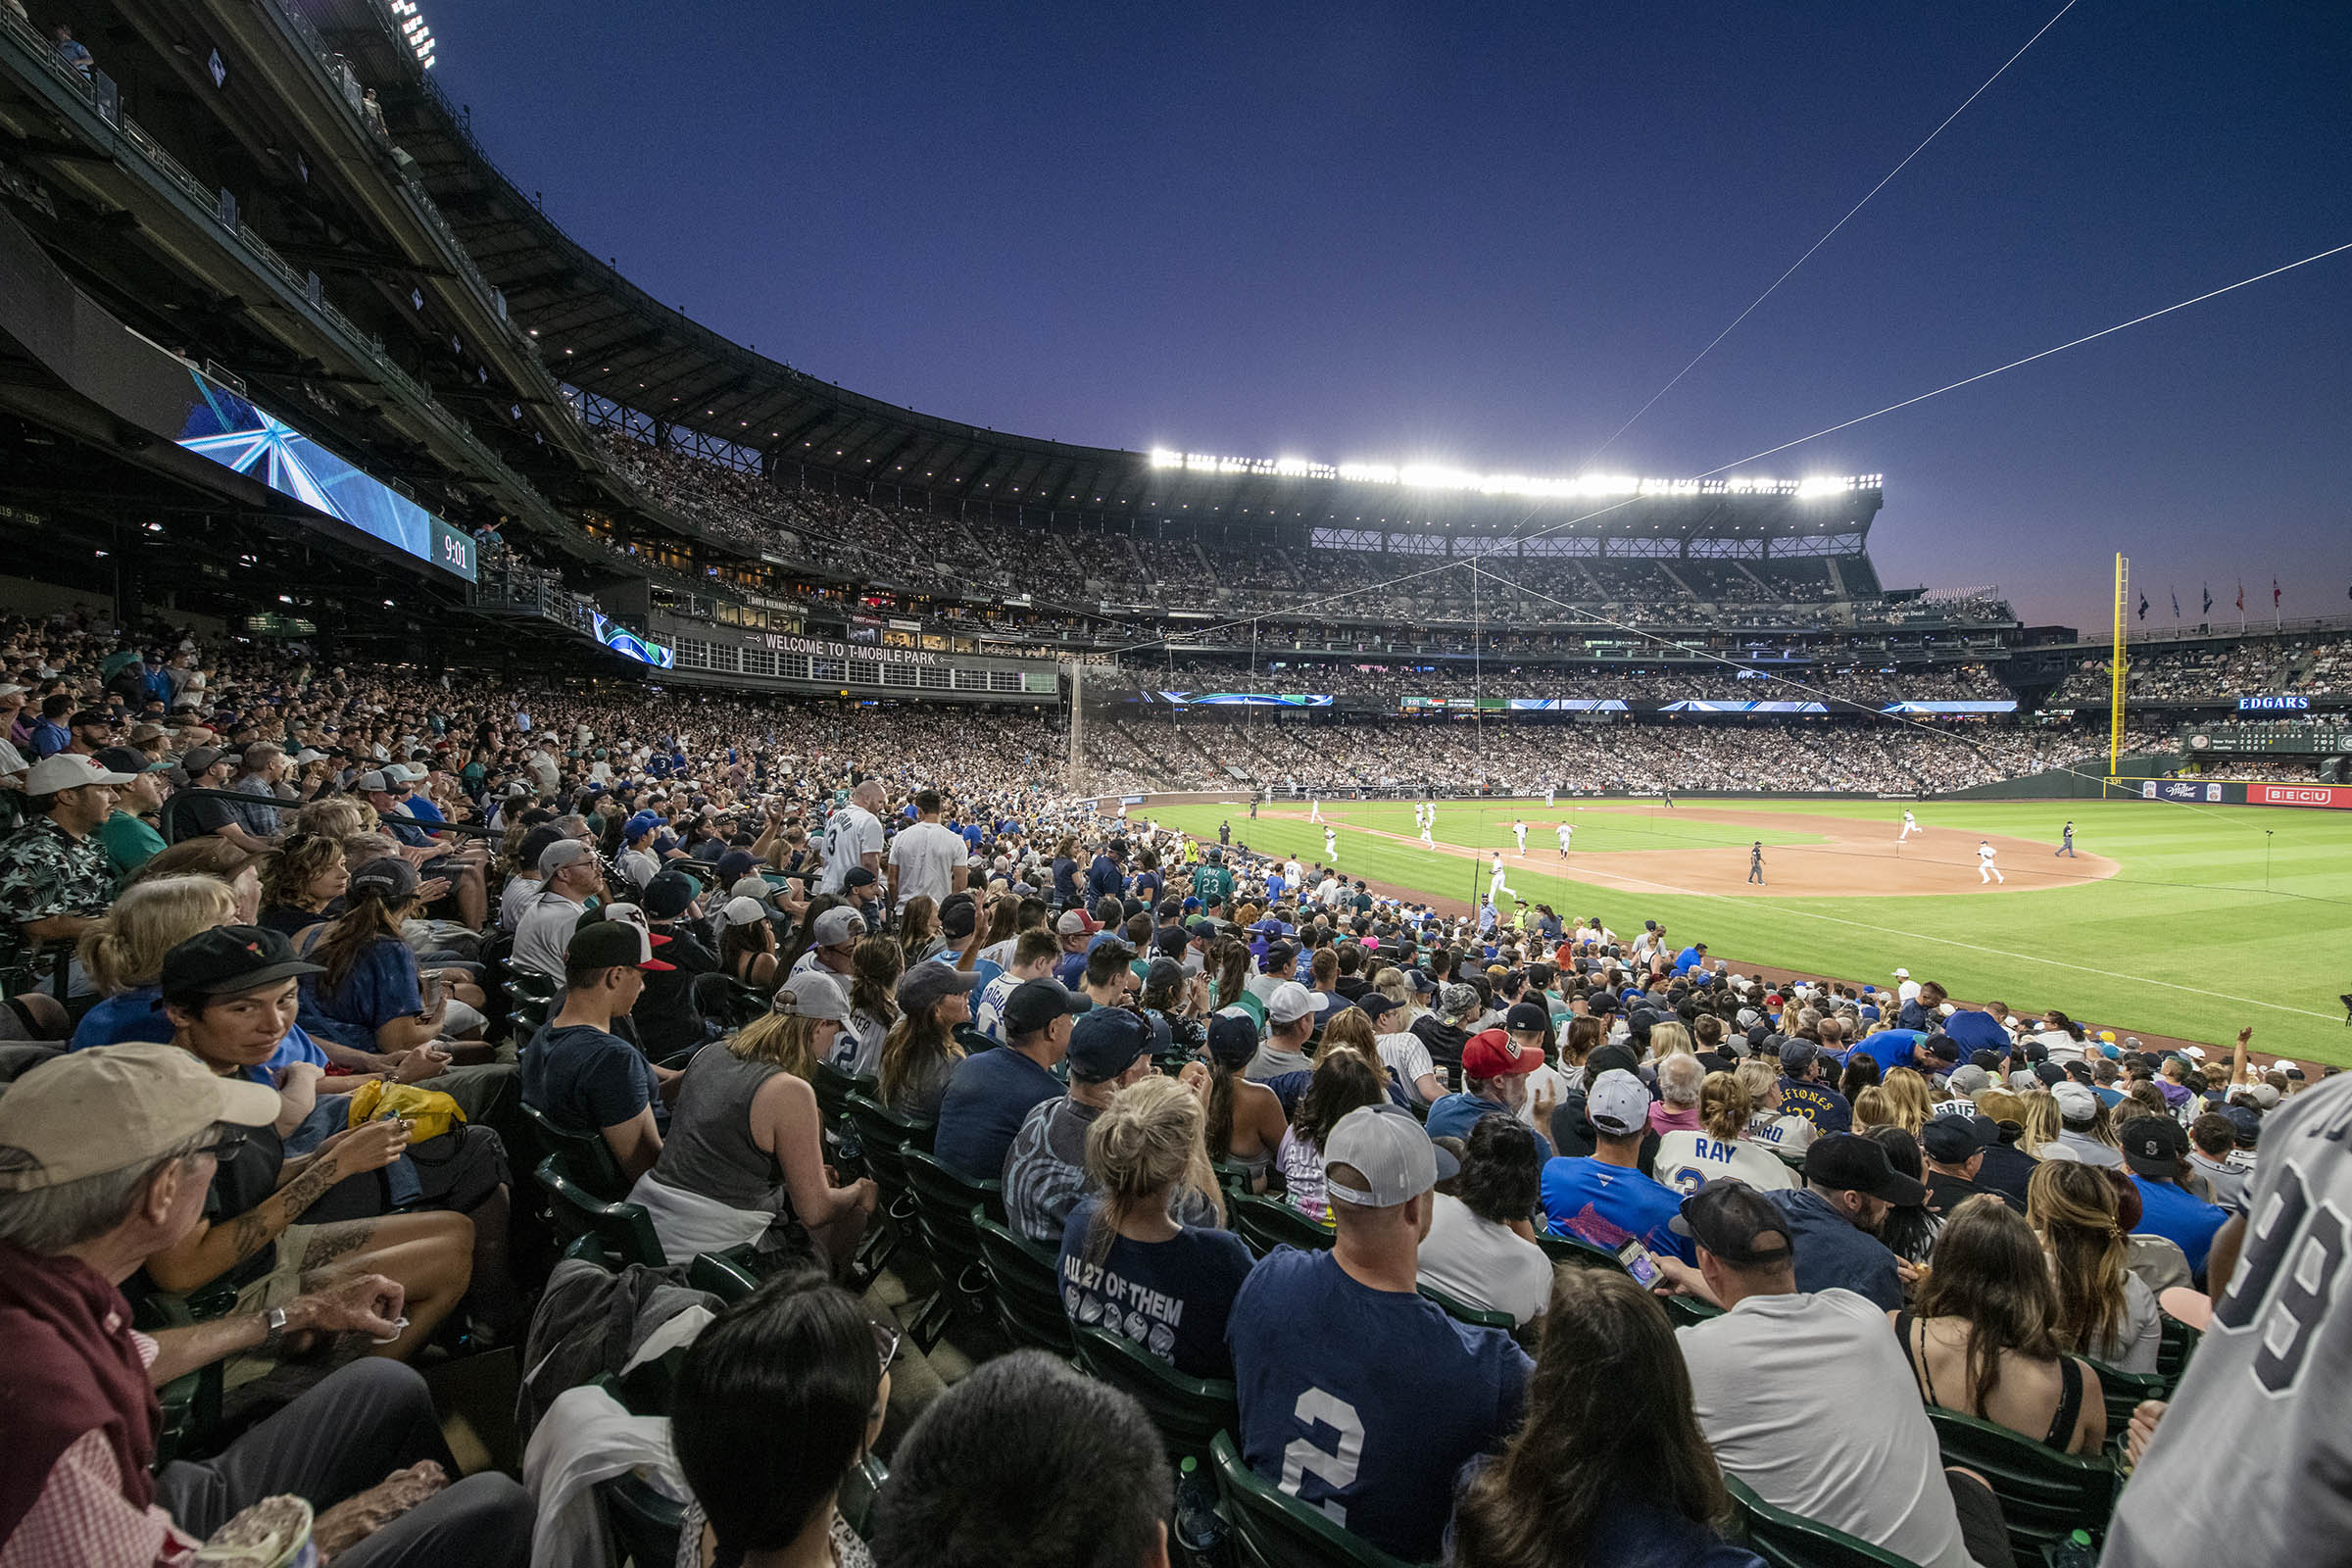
{"points": [[1172, 1298], [2264, 1381], [1374, 1441]]}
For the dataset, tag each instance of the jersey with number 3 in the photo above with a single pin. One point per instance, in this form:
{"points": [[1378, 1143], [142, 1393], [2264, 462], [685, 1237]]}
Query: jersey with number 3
{"points": [[1365, 1403], [2266, 1386]]}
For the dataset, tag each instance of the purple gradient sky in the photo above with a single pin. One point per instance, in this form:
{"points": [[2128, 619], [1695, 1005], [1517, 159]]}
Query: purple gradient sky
{"points": [[1387, 232]]}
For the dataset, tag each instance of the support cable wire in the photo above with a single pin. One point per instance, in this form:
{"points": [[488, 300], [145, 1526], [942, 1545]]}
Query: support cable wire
{"points": [[1323, 602], [1884, 181]]}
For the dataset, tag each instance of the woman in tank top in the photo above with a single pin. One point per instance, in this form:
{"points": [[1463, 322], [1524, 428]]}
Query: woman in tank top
{"points": [[744, 1160]]}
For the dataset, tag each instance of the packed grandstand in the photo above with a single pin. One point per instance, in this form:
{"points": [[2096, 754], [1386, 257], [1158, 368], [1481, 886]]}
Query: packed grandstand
{"points": [[570, 887]]}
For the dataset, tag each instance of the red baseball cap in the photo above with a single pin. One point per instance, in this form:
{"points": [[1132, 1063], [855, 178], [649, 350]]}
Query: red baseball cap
{"points": [[1492, 1053]]}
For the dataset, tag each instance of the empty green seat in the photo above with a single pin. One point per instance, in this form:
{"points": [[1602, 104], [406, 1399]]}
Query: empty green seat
{"points": [[624, 1230], [1028, 1287]]}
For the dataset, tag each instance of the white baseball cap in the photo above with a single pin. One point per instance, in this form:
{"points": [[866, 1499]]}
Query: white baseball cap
{"points": [[743, 911], [1902, 974], [1616, 1103], [2075, 1102], [1386, 1147], [1289, 1003], [69, 770]]}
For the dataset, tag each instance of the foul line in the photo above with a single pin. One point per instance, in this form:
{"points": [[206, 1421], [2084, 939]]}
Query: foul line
{"points": [[1998, 953], [1914, 936]]}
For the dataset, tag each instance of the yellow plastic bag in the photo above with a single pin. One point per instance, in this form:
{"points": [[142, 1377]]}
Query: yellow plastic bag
{"points": [[428, 1111]]}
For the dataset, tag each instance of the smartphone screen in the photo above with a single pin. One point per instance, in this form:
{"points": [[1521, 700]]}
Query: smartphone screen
{"points": [[1640, 1264]]}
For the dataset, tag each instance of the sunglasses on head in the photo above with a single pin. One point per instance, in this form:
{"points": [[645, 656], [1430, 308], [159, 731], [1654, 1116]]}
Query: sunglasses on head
{"points": [[224, 1148]]}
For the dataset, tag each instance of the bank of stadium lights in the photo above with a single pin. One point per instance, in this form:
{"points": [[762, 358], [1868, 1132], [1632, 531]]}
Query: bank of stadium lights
{"points": [[1425, 476], [413, 31]]}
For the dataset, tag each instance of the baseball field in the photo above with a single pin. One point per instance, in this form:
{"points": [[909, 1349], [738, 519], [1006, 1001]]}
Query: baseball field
{"points": [[2187, 922]]}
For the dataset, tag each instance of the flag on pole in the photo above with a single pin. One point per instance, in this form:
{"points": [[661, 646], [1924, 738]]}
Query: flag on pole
{"points": [[2143, 604], [2274, 593], [2175, 604], [2241, 598], [2207, 609]]}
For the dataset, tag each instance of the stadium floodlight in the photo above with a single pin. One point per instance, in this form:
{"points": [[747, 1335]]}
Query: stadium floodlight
{"points": [[1439, 476]]}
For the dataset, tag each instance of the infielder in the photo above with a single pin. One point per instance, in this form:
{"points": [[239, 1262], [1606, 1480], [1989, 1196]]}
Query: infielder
{"points": [[1910, 826], [1314, 810], [1755, 863], [1519, 831], [1497, 887], [1425, 838], [2066, 845], [1987, 871], [1331, 846], [1567, 832]]}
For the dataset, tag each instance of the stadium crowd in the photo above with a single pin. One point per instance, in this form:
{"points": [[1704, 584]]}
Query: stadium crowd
{"points": [[306, 967], [1502, 678], [1137, 756], [2260, 666]]}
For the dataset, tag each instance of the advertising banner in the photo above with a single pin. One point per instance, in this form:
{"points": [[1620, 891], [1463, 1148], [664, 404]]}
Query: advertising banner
{"points": [[2005, 707], [2339, 795], [1247, 698]]}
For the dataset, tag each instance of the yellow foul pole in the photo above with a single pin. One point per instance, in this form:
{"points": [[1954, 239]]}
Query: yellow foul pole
{"points": [[2116, 666]]}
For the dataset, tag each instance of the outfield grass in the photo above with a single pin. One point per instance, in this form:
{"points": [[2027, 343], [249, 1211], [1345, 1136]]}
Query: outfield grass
{"points": [[2187, 941]]}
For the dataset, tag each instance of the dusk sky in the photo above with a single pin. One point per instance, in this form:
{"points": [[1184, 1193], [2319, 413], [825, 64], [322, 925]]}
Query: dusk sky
{"points": [[1485, 237]]}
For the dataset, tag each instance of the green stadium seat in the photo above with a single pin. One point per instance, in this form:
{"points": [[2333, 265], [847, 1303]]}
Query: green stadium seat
{"points": [[1786, 1541], [2173, 1352], [944, 1202], [972, 1040], [833, 1090], [1188, 1411], [1576, 1251], [624, 1230], [1272, 1529], [883, 1138], [585, 1159], [729, 1275], [1028, 1287], [643, 1523], [1685, 1310], [1462, 1311], [1266, 1223], [2123, 1391], [856, 1503], [2045, 1496]]}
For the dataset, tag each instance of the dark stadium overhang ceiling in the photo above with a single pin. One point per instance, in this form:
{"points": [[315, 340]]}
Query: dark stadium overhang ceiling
{"points": [[601, 334]]}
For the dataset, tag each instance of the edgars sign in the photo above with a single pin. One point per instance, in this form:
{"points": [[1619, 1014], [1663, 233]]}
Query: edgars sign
{"points": [[2273, 705]]}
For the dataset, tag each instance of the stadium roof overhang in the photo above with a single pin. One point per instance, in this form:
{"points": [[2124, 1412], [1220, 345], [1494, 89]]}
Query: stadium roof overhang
{"points": [[601, 334]]}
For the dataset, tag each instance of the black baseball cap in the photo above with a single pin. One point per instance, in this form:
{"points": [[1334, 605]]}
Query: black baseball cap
{"points": [[611, 945], [1376, 1007], [387, 875], [1951, 1138], [128, 760], [2153, 1146], [1106, 1043], [1736, 1222], [229, 960], [1527, 1016], [1943, 1048], [1849, 1162], [1035, 1003]]}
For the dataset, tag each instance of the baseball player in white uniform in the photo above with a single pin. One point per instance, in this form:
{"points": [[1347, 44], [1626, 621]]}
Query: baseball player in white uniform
{"points": [[1566, 833], [1910, 826], [1987, 871], [1314, 810], [1497, 887], [1425, 838], [1331, 846], [1551, 797], [1519, 831]]}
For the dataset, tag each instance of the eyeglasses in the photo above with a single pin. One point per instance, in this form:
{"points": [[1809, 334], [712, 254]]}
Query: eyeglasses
{"points": [[886, 1342], [226, 1147]]}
